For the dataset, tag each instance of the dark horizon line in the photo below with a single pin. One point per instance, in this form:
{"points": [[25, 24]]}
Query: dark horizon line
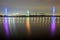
{"points": [[31, 16]]}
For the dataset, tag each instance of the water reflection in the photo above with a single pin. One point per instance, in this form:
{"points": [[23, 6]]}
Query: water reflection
{"points": [[28, 25], [12, 26], [31, 26], [53, 26], [6, 26]]}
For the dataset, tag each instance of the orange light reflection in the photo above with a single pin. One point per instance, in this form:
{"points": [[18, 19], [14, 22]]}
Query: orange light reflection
{"points": [[28, 26]]}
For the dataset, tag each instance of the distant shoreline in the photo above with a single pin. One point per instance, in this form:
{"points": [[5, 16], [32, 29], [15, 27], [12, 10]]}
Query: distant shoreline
{"points": [[31, 16]]}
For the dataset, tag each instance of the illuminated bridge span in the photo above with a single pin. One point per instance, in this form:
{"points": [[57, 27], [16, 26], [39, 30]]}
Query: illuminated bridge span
{"points": [[28, 14]]}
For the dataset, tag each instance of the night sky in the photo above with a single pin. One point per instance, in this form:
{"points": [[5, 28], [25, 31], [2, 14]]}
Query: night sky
{"points": [[33, 5]]}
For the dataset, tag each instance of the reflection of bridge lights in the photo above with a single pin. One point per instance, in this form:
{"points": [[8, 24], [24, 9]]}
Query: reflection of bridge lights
{"points": [[28, 26], [53, 26], [11, 23], [6, 25]]}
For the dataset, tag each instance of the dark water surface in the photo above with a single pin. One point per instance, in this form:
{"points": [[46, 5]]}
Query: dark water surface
{"points": [[30, 27]]}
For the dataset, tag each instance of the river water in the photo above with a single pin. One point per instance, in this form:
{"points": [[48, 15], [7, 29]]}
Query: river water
{"points": [[29, 27]]}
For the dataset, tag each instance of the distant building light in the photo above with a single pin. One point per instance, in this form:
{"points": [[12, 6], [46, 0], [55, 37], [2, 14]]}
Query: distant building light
{"points": [[6, 11], [53, 10], [27, 14]]}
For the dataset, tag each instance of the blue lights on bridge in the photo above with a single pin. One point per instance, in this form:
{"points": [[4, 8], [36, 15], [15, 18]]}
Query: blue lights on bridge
{"points": [[6, 11]]}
